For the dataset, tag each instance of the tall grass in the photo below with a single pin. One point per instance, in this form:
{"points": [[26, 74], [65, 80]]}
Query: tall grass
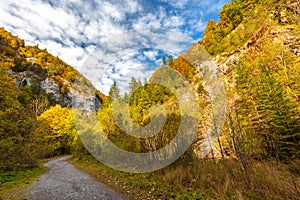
{"points": [[203, 179], [229, 180]]}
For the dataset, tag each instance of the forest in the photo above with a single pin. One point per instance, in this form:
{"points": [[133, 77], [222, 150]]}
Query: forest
{"points": [[256, 47]]}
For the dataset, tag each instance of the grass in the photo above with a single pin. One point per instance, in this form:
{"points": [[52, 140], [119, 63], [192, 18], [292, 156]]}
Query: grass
{"points": [[136, 186], [14, 184], [202, 179]]}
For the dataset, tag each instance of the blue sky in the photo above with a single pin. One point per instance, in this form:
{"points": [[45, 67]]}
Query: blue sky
{"points": [[141, 31]]}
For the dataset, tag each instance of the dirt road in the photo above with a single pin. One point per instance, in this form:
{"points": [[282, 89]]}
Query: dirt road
{"points": [[64, 181]]}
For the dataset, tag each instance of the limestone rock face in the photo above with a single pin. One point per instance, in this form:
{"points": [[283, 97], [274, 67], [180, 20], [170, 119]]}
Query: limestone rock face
{"points": [[69, 97], [73, 97], [50, 87]]}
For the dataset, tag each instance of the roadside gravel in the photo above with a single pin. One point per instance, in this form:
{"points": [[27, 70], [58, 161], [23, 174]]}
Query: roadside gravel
{"points": [[64, 181]]}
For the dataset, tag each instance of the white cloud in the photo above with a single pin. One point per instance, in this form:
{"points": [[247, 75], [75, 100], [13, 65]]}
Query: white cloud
{"points": [[149, 21], [174, 21], [176, 3], [73, 29], [150, 54], [131, 55]]}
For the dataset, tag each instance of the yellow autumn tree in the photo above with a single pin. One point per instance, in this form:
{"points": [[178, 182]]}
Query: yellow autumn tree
{"points": [[56, 132]]}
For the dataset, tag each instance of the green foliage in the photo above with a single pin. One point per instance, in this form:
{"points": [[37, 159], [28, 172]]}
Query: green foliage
{"points": [[231, 16], [195, 196], [267, 108], [263, 122], [15, 128], [263, 119], [140, 100], [23, 138], [8, 39], [240, 21], [13, 180], [56, 69], [114, 93], [282, 119], [143, 98]]}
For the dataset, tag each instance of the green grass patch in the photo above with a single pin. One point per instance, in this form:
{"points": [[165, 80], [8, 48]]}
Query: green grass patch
{"points": [[12, 183]]}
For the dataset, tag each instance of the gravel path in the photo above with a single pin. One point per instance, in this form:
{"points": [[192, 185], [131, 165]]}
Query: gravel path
{"points": [[64, 181]]}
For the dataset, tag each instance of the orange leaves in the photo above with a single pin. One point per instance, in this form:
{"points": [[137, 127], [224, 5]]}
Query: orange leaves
{"points": [[182, 66]]}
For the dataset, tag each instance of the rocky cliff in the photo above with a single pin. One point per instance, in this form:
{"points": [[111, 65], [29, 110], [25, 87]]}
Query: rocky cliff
{"points": [[256, 47], [35, 70], [271, 23]]}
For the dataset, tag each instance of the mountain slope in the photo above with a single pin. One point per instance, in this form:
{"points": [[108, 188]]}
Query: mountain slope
{"points": [[256, 45], [40, 71], [32, 80]]}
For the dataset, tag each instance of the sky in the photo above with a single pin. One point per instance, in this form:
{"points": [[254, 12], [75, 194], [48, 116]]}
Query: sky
{"points": [[109, 40]]}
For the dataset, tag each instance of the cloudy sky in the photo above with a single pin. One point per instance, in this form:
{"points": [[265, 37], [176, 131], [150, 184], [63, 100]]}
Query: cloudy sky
{"points": [[110, 39]]}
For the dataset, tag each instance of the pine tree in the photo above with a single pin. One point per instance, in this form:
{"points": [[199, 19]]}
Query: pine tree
{"points": [[114, 92]]}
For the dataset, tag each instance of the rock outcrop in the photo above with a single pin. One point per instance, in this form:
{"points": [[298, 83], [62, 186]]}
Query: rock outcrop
{"points": [[34, 69]]}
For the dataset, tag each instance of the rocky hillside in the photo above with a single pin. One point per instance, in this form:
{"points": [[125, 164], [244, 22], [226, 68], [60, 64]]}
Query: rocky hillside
{"points": [[40, 76], [256, 52], [276, 26], [256, 45]]}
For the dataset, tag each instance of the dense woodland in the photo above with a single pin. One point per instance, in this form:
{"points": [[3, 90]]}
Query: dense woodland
{"points": [[256, 45]]}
